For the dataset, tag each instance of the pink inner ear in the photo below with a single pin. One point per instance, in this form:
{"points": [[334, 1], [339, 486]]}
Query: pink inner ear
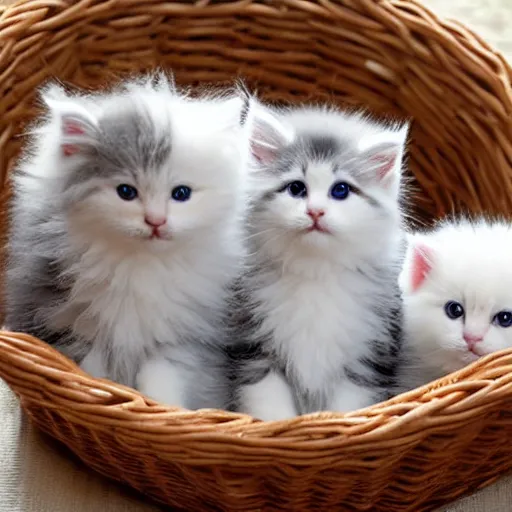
{"points": [[70, 127], [262, 154], [385, 164], [69, 149], [421, 265]]}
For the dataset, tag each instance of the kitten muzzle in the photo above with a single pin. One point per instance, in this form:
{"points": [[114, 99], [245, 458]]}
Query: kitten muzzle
{"points": [[317, 227]]}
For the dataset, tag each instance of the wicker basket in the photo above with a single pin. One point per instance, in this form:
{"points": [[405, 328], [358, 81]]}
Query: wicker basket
{"points": [[412, 453]]}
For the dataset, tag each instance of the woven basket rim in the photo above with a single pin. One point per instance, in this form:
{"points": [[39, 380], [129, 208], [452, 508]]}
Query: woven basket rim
{"points": [[28, 356]]}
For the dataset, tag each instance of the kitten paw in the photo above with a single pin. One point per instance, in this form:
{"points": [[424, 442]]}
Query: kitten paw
{"points": [[270, 399], [160, 380]]}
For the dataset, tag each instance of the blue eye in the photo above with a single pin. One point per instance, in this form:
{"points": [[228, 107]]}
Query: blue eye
{"points": [[296, 189], [453, 309], [181, 193], [503, 318], [340, 190], [126, 192]]}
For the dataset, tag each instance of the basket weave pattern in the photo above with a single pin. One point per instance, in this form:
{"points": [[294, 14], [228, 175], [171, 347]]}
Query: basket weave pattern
{"points": [[412, 453]]}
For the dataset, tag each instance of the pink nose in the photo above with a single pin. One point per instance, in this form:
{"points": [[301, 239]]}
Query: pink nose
{"points": [[154, 221], [472, 339], [315, 213]]}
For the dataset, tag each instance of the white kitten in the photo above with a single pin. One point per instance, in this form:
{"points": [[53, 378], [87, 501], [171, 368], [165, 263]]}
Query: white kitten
{"points": [[457, 290], [319, 308], [126, 234]]}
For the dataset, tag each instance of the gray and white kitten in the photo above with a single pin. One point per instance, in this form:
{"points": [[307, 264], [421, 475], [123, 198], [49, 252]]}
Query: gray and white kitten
{"points": [[318, 311], [125, 235]]}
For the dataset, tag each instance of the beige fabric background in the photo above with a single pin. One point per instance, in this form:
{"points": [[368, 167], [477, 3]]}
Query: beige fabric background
{"points": [[37, 476]]}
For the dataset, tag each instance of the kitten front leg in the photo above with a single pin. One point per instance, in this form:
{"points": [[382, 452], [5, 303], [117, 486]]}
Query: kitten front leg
{"points": [[269, 399], [349, 396], [161, 380]]}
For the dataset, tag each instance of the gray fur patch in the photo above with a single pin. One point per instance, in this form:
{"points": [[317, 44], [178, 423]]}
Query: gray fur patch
{"points": [[127, 142], [130, 127], [321, 148], [308, 148]]}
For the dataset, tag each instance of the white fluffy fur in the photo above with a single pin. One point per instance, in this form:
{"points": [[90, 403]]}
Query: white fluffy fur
{"points": [[470, 264]]}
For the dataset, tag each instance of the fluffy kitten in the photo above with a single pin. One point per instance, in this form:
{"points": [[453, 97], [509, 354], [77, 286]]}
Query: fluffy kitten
{"points": [[319, 310], [457, 291], [125, 235]]}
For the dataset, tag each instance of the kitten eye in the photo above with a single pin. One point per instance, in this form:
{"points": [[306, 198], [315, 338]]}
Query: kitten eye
{"points": [[296, 189], [126, 192], [453, 309], [503, 318], [340, 190], [181, 193]]}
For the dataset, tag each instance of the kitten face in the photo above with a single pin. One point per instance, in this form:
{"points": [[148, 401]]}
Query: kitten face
{"points": [[326, 192], [150, 166], [458, 293]]}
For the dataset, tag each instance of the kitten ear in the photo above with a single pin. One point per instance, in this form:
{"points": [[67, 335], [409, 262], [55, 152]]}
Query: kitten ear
{"points": [[78, 128], [384, 153], [420, 265], [269, 135]]}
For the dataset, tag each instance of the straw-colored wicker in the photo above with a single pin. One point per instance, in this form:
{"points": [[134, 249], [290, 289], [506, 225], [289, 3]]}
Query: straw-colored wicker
{"points": [[413, 453]]}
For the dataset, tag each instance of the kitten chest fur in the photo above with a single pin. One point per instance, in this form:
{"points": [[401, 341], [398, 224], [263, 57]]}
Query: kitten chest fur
{"points": [[128, 305], [318, 325]]}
